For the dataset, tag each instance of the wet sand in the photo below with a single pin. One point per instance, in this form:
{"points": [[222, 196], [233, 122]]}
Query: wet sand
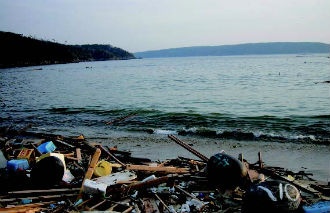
{"points": [[295, 157]]}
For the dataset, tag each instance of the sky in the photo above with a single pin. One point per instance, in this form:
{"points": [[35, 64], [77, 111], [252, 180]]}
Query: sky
{"points": [[141, 25]]}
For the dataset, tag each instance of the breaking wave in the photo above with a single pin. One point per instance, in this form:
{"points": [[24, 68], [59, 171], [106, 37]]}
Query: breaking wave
{"points": [[308, 129]]}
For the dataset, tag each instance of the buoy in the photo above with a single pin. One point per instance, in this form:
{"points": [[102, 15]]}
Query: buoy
{"points": [[226, 171], [48, 171]]}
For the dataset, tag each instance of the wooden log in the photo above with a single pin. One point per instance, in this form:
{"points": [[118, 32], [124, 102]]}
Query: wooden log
{"points": [[166, 169]]}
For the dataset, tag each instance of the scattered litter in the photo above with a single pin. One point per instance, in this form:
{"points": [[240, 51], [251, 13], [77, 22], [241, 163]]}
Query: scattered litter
{"points": [[52, 173]]}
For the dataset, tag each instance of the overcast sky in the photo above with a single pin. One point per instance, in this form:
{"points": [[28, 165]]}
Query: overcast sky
{"points": [[139, 25]]}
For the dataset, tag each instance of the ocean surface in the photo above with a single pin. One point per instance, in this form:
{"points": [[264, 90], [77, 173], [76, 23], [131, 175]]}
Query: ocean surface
{"points": [[277, 98]]}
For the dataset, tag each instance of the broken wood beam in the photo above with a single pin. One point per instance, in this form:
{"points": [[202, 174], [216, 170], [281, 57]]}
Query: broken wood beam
{"points": [[189, 148], [24, 208], [166, 169], [41, 191], [90, 171]]}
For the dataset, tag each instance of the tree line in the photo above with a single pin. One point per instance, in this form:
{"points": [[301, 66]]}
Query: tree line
{"points": [[18, 50]]}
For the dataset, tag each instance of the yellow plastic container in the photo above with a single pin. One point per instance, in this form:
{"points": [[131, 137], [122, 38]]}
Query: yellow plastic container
{"points": [[103, 168]]}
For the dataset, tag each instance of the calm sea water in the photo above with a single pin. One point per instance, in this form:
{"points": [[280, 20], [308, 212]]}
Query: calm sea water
{"points": [[266, 98]]}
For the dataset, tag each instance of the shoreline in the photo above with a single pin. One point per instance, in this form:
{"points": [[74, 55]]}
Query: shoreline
{"points": [[311, 158]]}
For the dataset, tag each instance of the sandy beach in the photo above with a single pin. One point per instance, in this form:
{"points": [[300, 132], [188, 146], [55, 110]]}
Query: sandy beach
{"points": [[310, 158]]}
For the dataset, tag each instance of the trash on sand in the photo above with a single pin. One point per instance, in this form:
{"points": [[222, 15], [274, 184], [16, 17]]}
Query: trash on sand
{"points": [[69, 174]]}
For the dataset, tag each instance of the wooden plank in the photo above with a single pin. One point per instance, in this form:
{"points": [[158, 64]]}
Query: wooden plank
{"points": [[78, 155], [41, 197], [24, 208], [40, 191], [166, 169], [71, 158], [90, 171]]}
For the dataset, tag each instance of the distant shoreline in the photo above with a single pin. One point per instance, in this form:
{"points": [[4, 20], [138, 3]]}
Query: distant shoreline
{"points": [[270, 48]]}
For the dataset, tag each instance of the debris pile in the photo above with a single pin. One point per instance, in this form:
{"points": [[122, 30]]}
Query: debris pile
{"points": [[52, 173]]}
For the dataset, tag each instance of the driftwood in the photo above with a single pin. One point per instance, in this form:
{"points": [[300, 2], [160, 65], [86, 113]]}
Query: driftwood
{"points": [[117, 120], [189, 148], [165, 169], [173, 183]]}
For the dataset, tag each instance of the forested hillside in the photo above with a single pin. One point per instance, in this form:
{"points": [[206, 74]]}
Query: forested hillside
{"points": [[18, 50], [240, 49]]}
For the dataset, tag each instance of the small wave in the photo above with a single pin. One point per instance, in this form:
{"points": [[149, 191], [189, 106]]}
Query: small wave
{"points": [[216, 125], [164, 132], [252, 136]]}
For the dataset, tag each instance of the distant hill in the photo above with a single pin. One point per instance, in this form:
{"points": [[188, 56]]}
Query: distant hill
{"points": [[18, 50], [240, 49]]}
